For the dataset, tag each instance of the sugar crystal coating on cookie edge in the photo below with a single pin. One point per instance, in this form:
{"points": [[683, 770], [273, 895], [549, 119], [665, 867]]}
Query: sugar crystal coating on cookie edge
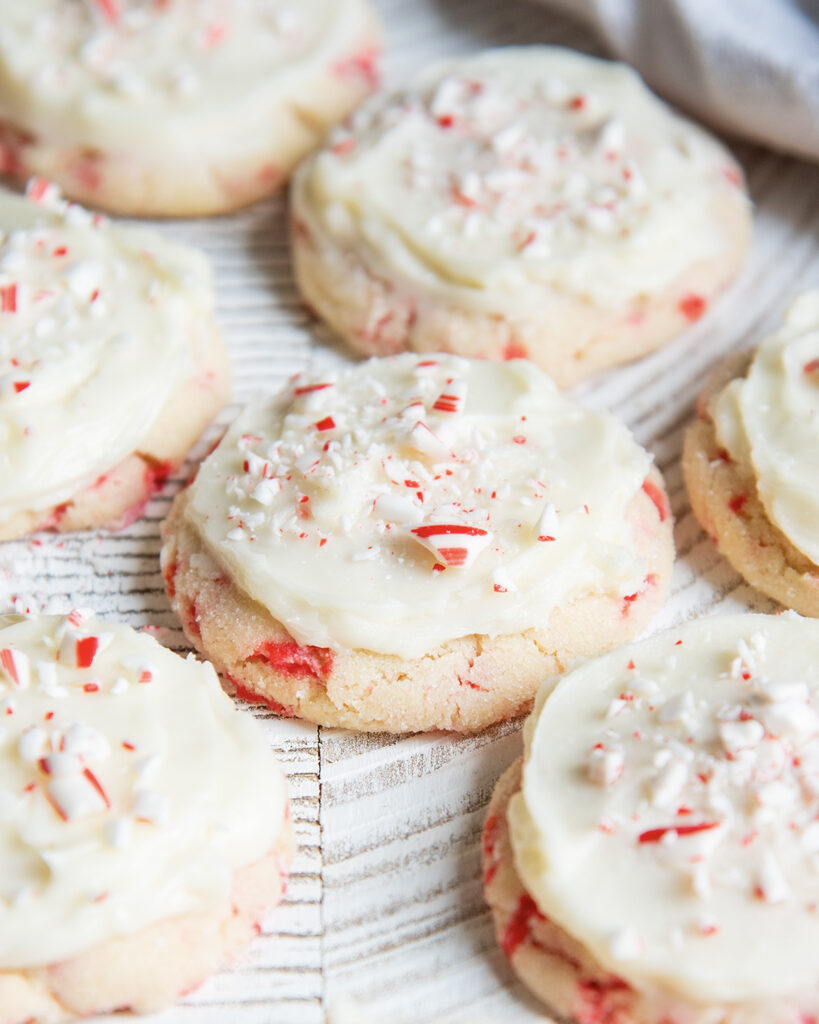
{"points": [[664, 830], [112, 818], [409, 501]]}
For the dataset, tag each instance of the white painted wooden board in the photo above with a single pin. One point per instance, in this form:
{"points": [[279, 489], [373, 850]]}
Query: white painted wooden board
{"points": [[385, 900]]}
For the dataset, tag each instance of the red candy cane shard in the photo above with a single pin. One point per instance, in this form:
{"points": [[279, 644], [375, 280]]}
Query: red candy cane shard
{"points": [[95, 782], [655, 835], [812, 366], [454, 544], [692, 306], [452, 398], [16, 665], [658, 497], [328, 423], [21, 385], [8, 298], [41, 190], [108, 9], [309, 389], [78, 652]]}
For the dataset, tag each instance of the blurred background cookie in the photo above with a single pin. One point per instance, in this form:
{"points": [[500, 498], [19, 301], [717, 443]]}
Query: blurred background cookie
{"points": [[528, 201], [144, 830], [750, 460], [414, 544], [111, 364], [180, 108]]}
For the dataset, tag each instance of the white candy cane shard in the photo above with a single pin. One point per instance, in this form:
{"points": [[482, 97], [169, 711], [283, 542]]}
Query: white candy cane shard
{"points": [[76, 795], [16, 666], [265, 491], [453, 544], [772, 886], [32, 744], [452, 398], [740, 735], [605, 765], [547, 527], [423, 440], [396, 508]]}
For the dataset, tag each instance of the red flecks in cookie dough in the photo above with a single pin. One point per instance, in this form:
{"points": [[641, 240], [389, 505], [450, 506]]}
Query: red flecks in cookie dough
{"points": [[492, 832], [514, 350], [659, 499], [471, 685], [252, 697], [737, 503], [291, 659], [812, 366], [601, 1002], [84, 168], [364, 64], [692, 306], [517, 931], [169, 575], [629, 599]]}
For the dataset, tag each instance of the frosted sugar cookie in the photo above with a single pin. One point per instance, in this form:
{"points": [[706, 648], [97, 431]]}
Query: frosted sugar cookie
{"points": [[751, 461], [414, 543], [143, 821], [176, 107], [652, 860], [111, 365], [522, 202]]}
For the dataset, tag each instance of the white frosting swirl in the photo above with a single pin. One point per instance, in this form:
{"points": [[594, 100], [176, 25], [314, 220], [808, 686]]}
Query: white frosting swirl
{"points": [[498, 175], [183, 76], [668, 814], [409, 501], [769, 420], [130, 789], [99, 325]]}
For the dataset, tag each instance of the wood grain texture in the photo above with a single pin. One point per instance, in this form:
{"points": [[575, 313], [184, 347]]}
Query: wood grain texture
{"points": [[384, 903]]}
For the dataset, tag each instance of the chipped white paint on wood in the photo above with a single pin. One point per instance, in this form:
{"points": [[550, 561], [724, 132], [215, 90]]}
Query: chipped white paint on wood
{"points": [[385, 902]]}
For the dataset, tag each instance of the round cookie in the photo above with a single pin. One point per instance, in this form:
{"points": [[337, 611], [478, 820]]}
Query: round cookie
{"points": [[527, 201], [750, 460], [652, 859], [414, 544], [111, 364], [181, 107], [144, 829]]}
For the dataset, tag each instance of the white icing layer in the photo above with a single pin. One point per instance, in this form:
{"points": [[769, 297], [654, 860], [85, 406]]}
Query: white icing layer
{"points": [[497, 176], [409, 501], [769, 420], [184, 76], [673, 787], [99, 325], [130, 789]]}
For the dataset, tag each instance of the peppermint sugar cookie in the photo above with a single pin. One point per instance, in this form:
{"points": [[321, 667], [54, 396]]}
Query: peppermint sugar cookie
{"points": [[111, 365], [750, 460], [144, 829], [527, 201], [652, 860], [176, 107], [414, 544]]}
